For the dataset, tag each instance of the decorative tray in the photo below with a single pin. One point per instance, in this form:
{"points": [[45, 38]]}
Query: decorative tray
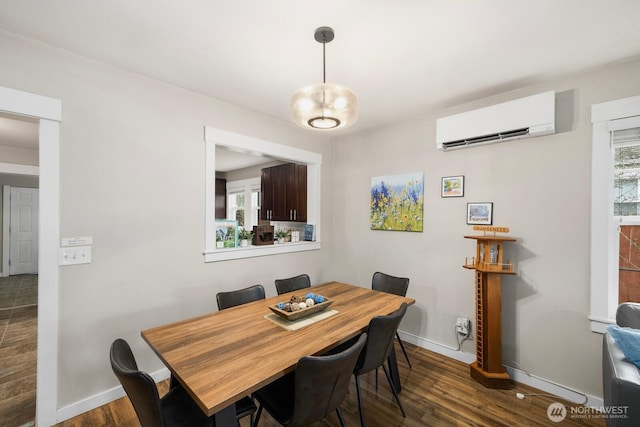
{"points": [[301, 312]]}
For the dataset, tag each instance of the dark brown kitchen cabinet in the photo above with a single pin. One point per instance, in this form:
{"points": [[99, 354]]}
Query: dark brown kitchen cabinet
{"points": [[221, 198], [272, 192], [284, 193], [300, 204]]}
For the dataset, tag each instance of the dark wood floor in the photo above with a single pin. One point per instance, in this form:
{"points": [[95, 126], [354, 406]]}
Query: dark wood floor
{"points": [[436, 392], [18, 326]]}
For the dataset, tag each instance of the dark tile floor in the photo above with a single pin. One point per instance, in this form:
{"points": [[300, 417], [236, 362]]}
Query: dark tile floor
{"points": [[18, 331]]}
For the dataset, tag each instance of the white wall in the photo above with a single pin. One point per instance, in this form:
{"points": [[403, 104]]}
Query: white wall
{"points": [[540, 189], [133, 178], [20, 156]]}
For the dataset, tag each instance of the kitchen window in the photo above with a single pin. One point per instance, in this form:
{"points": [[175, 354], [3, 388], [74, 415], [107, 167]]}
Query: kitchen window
{"points": [[243, 202]]}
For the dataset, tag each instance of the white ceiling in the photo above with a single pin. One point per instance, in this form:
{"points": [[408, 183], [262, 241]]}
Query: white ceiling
{"points": [[401, 58]]}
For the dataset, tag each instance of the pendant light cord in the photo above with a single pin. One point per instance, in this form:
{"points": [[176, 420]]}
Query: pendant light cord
{"points": [[324, 76], [324, 63]]}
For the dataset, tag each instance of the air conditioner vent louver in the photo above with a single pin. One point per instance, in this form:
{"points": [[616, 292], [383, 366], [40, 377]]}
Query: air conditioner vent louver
{"points": [[500, 136], [522, 118]]}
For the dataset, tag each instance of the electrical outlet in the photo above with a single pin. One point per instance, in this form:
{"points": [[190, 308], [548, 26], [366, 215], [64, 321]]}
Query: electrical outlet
{"points": [[463, 326]]}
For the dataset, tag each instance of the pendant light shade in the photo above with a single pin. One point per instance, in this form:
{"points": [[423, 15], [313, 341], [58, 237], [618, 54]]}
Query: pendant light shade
{"points": [[324, 106]]}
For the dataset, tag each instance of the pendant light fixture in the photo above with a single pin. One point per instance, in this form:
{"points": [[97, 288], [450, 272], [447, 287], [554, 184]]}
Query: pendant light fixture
{"points": [[324, 106]]}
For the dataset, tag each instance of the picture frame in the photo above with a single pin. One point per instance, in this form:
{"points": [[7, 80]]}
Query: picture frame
{"points": [[480, 213], [397, 202], [452, 186], [226, 234]]}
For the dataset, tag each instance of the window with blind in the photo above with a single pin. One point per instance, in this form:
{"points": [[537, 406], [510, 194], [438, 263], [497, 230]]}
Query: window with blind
{"points": [[626, 165], [615, 208], [625, 144]]}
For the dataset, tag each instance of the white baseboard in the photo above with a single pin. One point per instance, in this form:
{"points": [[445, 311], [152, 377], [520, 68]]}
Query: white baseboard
{"points": [[517, 375], [546, 386], [442, 349], [97, 400]]}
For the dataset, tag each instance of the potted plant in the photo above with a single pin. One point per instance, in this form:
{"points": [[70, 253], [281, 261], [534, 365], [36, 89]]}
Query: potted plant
{"points": [[280, 235], [244, 235]]}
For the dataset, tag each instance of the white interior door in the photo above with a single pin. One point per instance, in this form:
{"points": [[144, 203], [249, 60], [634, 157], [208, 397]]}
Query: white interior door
{"points": [[24, 231]]}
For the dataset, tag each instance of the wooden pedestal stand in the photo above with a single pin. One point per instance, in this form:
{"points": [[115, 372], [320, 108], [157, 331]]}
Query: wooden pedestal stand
{"points": [[489, 266]]}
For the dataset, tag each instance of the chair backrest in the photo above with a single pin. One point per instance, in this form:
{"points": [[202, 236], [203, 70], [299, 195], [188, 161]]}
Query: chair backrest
{"points": [[322, 382], [390, 284], [628, 314], [292, 284], [239, 297], [138, 385], [381, 331]]}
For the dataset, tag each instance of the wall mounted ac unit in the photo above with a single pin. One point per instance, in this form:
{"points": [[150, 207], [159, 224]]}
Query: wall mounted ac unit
{"points": [[521, 118]]}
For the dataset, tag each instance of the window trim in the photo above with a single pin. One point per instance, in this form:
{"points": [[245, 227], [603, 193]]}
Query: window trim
{"points": [[243, 143], [605, 117]]}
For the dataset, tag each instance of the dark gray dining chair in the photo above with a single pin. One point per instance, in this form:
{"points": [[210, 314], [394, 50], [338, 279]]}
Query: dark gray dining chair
{"points": [[175, 408], [381, 331], [290, 284], [392, 285], [317, 387], [238, 297], [228, 299]]}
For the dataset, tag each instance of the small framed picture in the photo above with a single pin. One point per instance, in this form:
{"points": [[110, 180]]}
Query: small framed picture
{"points": [[452, 186], [480, 213], [226, 234]]}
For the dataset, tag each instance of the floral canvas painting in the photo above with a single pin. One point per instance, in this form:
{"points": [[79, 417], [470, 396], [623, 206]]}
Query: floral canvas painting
{"points": [[397, 202]]}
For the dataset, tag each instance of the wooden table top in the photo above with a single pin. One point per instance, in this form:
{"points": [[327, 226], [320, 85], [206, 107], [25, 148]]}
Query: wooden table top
{"points": [[225, 355]]}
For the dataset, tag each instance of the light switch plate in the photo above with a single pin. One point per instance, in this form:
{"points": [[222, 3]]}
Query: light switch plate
{"points": [[74, 255]]}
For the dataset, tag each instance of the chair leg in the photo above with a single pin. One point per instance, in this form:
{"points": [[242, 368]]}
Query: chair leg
{"points": [[173, 382], [406, 356], [340, 417], [255, 422], [252, 415], [393, 389], [360, 408], [376, 379]]}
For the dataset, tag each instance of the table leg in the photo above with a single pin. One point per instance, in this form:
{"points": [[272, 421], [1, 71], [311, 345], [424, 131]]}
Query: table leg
{"points": [[226, 417], [393, 370]]}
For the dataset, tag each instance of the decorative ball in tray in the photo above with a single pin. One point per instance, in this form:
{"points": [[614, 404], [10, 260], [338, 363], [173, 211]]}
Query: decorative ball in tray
{"points": [[301, 306]]}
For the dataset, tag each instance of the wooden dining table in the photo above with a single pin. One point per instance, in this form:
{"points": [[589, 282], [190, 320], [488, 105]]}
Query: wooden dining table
{"points": [[225, 355]]}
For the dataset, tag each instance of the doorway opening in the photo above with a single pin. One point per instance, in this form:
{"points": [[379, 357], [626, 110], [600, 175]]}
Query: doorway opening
{"points": [[19, 282], [47, 113]]}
